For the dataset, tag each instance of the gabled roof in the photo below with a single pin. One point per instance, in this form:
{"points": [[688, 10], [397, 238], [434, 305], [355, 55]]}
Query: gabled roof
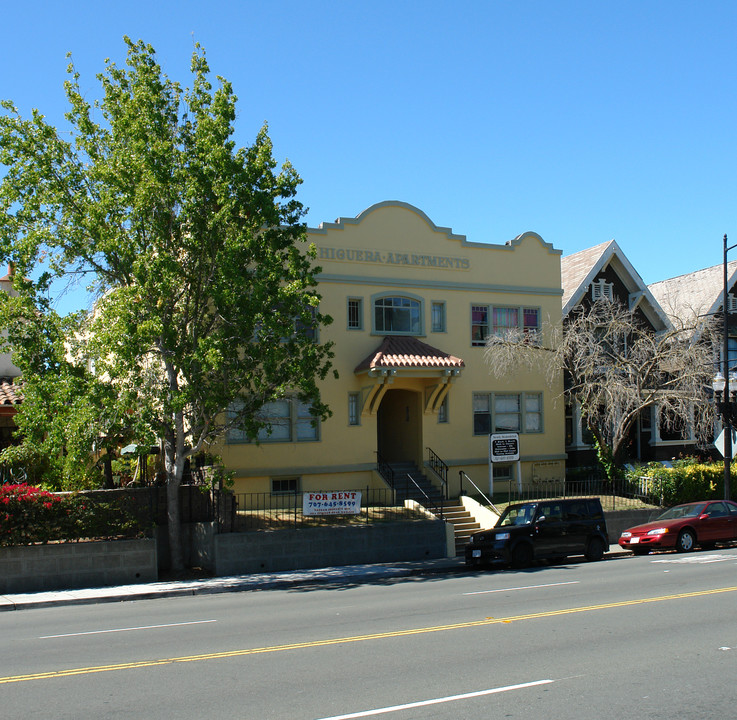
{"points": [[410, 353], [697, 293], [579, 270]]}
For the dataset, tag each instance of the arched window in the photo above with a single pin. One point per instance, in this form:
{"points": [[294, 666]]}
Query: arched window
{"points": [[397, 315]]}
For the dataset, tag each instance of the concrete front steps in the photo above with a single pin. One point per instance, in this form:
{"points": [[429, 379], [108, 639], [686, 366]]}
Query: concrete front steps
{"points": [[464, 524]]}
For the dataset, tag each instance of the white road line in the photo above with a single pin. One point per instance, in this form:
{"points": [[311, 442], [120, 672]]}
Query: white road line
{"points": [[695, 560], [437, 701], [128, 629], [526, 587]]}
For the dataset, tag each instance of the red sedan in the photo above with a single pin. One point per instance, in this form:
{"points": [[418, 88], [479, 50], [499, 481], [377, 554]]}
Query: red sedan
{"points": [[683, 527]]}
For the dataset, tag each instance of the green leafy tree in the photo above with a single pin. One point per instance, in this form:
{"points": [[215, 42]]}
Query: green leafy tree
{"points": [[195, 250]]}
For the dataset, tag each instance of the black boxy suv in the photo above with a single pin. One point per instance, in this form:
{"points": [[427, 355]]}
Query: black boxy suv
{"points": [[542, 529]]}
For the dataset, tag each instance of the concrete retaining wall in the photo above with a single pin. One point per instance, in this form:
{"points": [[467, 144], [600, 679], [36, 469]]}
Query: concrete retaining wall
{"points": [[65, 566], [620, 520], [240, 553]]}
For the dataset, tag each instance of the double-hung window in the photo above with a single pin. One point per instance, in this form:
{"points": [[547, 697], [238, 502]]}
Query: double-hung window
{"points": [[507, 412], [438, 317], [353, 408], [355, 313], [285, 420], [479, 324]]}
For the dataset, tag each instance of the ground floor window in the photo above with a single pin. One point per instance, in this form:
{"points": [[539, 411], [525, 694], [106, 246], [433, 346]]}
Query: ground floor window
{"points": [[284, 485], [507, 412]]}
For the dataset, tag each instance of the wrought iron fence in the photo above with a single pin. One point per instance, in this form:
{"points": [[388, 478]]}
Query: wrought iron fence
{"points": [[619, 494], [269, 511]]}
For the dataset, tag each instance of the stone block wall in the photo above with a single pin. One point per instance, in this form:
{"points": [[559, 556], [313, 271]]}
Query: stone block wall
{"points": [[65, 566], [240, 553]]}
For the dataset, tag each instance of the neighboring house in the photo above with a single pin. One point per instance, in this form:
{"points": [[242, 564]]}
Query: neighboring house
{"points": [[10, 393], [604, 272], [699, 294], [412, 305]]}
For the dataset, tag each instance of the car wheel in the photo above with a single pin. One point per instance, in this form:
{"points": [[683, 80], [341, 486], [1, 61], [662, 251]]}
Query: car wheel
{"points": [[686, 541], [595, 549], [522, 555]]}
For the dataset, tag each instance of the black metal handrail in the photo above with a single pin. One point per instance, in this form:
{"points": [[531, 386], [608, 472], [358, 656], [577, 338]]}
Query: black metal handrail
{"points": [[439, 468], [385, 469], [478, 489], [439, 511]]}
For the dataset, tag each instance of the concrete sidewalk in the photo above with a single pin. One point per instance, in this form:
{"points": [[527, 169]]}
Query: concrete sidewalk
{"points": [[239, 583]]}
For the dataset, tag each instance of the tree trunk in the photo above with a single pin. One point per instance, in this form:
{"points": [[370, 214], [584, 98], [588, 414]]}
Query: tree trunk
{"points": [[174, 524], [173, 466]]}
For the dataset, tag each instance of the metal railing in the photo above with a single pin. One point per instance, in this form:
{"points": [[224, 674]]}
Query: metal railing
{"points": [[480, 492], [437, 465], [619, 494], [430, 504], [268, 511]]}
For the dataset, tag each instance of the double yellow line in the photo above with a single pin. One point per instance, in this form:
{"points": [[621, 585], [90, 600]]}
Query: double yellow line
{"points": [[54, 674]]}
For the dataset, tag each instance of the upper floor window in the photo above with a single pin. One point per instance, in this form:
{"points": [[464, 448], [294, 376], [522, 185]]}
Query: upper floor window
{"points": [[503, 320], [438, 317], [286, 420], [355, 313], [602, 290], [309, 328], [479, 324], [397, 315]]}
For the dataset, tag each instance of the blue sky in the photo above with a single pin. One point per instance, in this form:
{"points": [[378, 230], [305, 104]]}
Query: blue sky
{"points": [[581, 121]]}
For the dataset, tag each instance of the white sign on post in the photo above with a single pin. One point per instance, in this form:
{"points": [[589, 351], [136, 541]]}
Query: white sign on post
{"points": [[504, 447]]}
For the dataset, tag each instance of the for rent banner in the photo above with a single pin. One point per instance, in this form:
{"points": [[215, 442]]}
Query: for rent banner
{"points": [[331, 503]]}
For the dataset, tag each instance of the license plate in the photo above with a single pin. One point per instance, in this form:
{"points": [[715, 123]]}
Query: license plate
{"points": [[476, 553], [634, 540]]}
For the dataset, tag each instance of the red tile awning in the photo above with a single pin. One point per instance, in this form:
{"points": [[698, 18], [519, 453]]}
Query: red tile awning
{"points": [[10, 396], [400, 352]]}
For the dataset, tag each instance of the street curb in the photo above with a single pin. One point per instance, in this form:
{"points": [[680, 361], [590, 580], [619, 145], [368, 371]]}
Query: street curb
{"points": [[244, 583]]}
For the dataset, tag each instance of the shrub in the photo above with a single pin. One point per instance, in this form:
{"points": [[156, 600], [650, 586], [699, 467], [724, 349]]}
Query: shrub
{"points": [[31, 515], [688, 480]]}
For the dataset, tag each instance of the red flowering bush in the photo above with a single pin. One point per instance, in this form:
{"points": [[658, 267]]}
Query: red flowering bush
{"points": [[31, 515]]}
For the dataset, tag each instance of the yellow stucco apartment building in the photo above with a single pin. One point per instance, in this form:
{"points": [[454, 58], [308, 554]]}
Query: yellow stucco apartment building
{"points": [[412, 304]]}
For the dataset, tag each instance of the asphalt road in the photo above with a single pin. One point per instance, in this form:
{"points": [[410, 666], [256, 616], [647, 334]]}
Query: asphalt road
{"points": [[650, 637]]}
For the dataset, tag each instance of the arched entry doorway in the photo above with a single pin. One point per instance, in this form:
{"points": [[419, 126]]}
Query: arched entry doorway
{"points": [[399, 427]]}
